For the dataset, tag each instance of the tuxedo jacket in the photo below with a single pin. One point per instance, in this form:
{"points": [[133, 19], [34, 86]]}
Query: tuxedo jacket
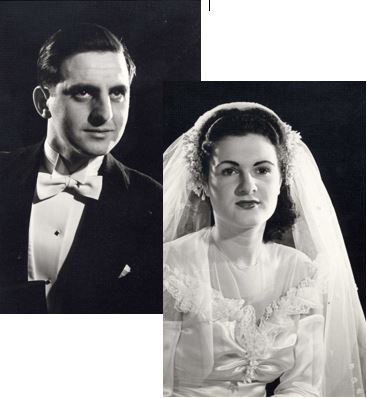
{"points": [[123, 227]]}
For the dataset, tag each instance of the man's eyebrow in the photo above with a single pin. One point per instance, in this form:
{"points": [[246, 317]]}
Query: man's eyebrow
{"points": [[80, 86], [92, 89], [120, 87]]}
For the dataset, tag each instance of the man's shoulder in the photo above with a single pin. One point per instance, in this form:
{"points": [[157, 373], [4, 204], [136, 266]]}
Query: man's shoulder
{"points": [[7, 156], [135, 179], [14, 153], [12, 158], [139, 178]]}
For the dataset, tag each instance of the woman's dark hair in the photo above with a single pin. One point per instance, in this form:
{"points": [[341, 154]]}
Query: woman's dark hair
{"points": [[237, 123], [73, 40]]}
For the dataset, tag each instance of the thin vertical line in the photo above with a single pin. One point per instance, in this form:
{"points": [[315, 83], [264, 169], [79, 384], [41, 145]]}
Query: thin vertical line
{"points": [[209, 5]]}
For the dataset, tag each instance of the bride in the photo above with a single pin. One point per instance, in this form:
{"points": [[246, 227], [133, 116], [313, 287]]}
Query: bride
{"points": [[240, 310]]}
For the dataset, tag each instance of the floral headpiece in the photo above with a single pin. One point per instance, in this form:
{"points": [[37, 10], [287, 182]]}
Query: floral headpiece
{"points": [[192, 137], [292, 140], [194, 163]]}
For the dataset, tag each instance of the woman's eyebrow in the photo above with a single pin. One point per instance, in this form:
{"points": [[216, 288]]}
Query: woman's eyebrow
{"points": [[233, 163], [264, 161]]}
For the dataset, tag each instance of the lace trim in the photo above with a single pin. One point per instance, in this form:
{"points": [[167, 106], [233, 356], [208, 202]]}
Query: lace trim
{"points": [[252, 335], [293, 302], [183, 288], [189, 296]]}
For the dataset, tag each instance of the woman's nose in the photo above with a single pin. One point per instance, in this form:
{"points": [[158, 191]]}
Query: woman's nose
{"points": [[102, 112], [246, 185]]}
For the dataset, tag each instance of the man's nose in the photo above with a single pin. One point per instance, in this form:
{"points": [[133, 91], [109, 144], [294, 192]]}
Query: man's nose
{"points": [[102, 111], [246, 185]]}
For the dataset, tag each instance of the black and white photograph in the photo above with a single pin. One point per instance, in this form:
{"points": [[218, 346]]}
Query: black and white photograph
{"points": [[182, 198], [80, 228], [264, 239]]}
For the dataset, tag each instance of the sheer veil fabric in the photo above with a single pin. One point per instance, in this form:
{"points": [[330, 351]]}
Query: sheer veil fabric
{"points": [[316, 233]]}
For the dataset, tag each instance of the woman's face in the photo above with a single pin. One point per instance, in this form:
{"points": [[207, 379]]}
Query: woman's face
{"points": [[244, 181]]}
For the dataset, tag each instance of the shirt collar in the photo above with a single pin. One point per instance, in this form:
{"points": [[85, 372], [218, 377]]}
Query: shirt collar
{"points": [[54, 165]]}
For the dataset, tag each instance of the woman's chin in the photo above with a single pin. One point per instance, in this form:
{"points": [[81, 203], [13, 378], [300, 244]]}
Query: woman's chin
{"points": [[251, 220]]}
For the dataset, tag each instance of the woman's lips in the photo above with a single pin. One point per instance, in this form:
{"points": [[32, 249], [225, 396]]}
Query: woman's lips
{"points": [[247, 204]]}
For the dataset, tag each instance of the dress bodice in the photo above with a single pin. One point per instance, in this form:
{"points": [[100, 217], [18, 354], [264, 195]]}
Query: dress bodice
{"points": [[237, 330]]}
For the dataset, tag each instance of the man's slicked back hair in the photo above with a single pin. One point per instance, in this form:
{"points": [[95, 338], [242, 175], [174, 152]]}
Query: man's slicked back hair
{"points": [[75, 39]]}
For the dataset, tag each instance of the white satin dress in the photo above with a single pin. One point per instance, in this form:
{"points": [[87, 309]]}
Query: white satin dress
{"points": [[230, 331]]}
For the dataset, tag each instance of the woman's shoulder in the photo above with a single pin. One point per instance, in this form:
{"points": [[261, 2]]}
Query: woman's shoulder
{"points": [[188, 254], [186, 243], [186, 282], [291, 262], [287, 252]]}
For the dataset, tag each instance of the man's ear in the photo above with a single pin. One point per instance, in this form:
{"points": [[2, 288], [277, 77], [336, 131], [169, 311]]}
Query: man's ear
{"points": [[40, 97]]}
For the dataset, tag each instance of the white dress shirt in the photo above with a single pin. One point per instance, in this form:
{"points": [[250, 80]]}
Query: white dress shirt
{"points": [[54, 221]]}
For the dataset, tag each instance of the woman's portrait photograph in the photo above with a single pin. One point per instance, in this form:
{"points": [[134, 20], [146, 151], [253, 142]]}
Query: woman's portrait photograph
{"points": [[263, 228]]}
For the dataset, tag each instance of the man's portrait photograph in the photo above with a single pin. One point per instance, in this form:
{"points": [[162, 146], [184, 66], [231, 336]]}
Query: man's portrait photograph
{"points": [[80, 227]]}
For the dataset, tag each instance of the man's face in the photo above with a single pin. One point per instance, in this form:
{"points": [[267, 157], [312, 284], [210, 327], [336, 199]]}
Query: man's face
{"points": [[89, 107]]}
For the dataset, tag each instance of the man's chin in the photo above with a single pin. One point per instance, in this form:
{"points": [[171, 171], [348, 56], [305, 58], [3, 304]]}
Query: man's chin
{"points": [[93, 151]]}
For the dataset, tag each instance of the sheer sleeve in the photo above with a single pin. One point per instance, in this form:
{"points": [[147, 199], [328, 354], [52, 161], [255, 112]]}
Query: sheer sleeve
{"points": [[171, 333], [305, 378]]}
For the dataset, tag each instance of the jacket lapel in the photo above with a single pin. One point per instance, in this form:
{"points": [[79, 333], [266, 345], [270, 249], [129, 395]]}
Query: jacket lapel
{"points": [[106, 222], [101, 218], [103, 244]]}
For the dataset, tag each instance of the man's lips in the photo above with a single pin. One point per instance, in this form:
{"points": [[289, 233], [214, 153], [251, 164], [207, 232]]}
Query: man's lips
{"points": [[247, 204]]}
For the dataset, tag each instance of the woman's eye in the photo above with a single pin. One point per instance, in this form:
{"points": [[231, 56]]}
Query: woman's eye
{"points": [[229, 171], [263, 170]]}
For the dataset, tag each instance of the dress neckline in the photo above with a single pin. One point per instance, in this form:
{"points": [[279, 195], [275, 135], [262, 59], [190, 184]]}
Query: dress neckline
{"points": [[214, 246]]}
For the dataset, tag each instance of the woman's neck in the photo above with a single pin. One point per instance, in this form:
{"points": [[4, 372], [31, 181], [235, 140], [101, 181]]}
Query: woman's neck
{"points": [[242, 247]]}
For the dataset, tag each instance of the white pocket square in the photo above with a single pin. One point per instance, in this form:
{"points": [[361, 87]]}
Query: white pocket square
{"points": [[125, 271]]}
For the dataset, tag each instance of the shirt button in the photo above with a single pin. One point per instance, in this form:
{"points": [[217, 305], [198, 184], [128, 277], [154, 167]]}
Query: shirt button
{"points": [[57, 232]]}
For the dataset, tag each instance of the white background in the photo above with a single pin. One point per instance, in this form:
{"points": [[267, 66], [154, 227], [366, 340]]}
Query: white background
{"points": [[284, 40], [121, 356]]}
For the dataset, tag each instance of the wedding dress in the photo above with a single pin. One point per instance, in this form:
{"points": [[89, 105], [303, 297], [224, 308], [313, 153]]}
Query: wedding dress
{"points": [[294, 315], [260, 323]]}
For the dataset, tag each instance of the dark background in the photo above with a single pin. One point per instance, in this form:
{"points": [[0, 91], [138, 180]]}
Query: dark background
{"points": [[331, 117], [163, 38]]}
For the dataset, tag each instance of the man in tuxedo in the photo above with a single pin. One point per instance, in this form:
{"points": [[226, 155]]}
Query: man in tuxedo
{"points": [[79, 231]]}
